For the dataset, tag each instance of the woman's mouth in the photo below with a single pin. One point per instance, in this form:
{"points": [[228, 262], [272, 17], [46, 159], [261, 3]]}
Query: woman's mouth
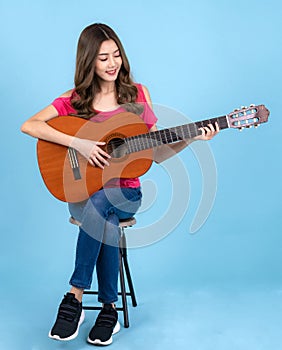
{"points": [[111, 72]]}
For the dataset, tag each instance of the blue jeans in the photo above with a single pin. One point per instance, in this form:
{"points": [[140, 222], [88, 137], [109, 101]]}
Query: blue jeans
{"points": [[98, 239]]}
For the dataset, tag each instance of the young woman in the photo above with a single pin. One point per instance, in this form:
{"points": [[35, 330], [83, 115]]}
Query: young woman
{"points": [[103, 87]]}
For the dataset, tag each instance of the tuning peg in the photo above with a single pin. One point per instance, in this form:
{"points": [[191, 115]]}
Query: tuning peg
{"points": [[241, 128], [252, 105], [256, 125], [236, 109], [248, 126], [243, 107]]}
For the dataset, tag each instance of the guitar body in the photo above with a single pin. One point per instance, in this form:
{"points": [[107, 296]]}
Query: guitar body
{"points": [[71, 178]]}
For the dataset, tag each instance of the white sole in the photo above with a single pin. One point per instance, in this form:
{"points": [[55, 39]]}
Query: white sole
{"points": [[74, 335], [107, 342]]}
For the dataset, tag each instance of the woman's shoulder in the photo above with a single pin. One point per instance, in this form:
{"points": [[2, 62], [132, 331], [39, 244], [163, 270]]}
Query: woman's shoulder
{"points": [[143, 93], [140, 86], [63, 103], [67, 94]]}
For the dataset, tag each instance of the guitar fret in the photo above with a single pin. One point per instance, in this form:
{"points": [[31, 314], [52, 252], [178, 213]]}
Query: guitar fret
{"points": [[166, 139], [196, 130], [160, 140], [187, 132], [182, 130], [150, 141]]}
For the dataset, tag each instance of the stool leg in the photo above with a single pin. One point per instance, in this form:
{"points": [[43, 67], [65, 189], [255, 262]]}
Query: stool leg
{"points": [[127, 271], [123, 292]]}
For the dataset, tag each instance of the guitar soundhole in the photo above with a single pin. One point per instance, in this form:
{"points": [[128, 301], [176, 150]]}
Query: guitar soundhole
{"points": [[116, 148]]}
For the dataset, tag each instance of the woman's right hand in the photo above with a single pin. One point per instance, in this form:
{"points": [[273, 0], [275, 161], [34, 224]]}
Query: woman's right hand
{"points": [[91, 151]]}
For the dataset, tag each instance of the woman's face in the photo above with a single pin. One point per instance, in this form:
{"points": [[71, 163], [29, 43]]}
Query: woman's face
{"points": [[108, 62]]}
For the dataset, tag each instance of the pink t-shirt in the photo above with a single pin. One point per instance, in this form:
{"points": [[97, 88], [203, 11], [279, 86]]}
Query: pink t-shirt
{"points": [[64, 107]]}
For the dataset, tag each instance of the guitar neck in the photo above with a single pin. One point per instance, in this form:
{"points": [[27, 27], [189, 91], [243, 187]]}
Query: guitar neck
{"points": [[170, 135]]}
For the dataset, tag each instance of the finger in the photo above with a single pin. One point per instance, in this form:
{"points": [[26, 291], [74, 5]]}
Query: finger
{"points": [[99, 150], [202, 131], [211, 127], [96, 161], [98, 143], [217, 127], [91, 162], [208, 131], [102, 159], [105, 154]]}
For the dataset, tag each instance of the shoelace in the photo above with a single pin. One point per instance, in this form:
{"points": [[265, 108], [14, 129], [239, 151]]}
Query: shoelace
{"points": [[106, 319], [68, 310]]}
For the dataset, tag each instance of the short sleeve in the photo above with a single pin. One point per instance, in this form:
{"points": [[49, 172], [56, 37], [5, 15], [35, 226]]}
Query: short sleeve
{"points": [[148, 115], [63, 106]]}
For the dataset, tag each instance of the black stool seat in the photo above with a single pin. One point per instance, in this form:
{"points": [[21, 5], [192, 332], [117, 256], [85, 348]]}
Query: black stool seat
{"points": [[123, 267]]}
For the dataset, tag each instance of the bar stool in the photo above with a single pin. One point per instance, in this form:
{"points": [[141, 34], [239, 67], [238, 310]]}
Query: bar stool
{"points": [[123, 267]]}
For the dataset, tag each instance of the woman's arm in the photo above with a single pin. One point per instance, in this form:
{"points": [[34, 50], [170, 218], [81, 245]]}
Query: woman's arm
{"points": [[161, 153], [37, 126]]}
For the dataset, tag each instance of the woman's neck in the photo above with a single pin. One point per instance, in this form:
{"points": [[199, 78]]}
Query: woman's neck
{"points": [[106, 100], [107, 87]]}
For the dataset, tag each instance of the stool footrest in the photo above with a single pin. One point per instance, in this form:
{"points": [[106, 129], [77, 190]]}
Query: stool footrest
{"points": [[96, 293], [99, 308]]}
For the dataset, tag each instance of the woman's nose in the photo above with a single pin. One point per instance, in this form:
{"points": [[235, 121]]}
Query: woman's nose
{"points": [[112, 61]]}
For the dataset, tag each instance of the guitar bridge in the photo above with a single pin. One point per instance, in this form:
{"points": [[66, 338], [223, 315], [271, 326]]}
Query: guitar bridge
{"points": [[74, 163]]}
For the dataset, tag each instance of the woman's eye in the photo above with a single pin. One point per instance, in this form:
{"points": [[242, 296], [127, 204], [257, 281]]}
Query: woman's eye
{"points": [[103, 59]]}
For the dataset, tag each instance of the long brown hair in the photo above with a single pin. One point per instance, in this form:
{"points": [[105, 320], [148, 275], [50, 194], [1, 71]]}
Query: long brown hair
{"points": [[86, 85]]}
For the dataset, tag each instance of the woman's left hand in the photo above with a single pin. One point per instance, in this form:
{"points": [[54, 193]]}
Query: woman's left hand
{"points": [[208, 132]]}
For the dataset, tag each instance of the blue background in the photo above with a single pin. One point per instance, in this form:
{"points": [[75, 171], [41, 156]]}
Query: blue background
{"points": [[217, 289]]}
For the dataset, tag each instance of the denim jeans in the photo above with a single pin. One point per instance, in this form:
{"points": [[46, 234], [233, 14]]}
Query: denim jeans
{"points": [[98, 239]]}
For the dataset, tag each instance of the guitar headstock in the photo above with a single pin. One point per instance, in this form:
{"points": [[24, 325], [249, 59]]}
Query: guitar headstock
{"points": [[246, 117]]}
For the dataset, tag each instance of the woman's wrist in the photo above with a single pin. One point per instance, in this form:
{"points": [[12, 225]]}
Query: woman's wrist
{"points": [[75, 142]]}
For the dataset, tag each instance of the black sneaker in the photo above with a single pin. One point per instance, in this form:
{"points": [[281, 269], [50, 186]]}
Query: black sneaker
{"points": [[105, 326], [69, 318]]}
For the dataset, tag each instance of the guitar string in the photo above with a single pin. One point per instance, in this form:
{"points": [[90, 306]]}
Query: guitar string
{"points": [[73, 158], [157, 138]]}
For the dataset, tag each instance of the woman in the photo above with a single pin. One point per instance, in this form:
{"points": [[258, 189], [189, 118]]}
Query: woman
{"points": [[103, 87]]}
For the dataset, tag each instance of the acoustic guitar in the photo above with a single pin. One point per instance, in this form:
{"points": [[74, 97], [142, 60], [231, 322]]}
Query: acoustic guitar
{"points": [[70, 177]]}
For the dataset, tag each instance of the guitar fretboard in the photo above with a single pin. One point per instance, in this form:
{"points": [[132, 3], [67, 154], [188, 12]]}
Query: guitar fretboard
{"points": [[170, 135]]}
